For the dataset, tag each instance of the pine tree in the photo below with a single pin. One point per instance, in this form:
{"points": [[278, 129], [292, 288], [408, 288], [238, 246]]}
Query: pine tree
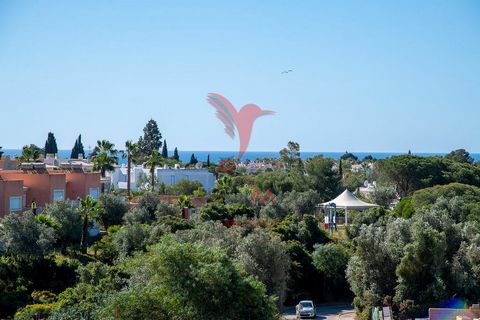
{"points": [[175, 154], [51, 144], [151, 140], [164, 149], [208, 161]]}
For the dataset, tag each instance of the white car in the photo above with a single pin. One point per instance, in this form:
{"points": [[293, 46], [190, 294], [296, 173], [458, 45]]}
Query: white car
{"points": [[305, 310]]}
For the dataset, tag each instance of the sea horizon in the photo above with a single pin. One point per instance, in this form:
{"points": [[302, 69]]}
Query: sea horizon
{"points": [[215, 156]]}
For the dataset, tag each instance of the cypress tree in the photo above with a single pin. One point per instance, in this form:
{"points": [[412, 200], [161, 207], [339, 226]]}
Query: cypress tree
{"points": [[80, 146], [340, 169], [175, 154], [51, 144], [164, 149], [74, 154], [193, 159], [208, 161], [77, 148]]}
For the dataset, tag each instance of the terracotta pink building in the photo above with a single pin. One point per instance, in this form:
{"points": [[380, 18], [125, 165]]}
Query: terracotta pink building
{"points": [[7, 164], [11, 196], [44, 186]]}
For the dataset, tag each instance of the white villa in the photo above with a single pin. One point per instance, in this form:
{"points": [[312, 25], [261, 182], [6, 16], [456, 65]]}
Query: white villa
{"points": [[169, 176], [255, 166]]}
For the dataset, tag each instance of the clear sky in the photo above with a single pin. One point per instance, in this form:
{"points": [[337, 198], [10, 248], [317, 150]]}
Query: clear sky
{"points": [[367, 75]]}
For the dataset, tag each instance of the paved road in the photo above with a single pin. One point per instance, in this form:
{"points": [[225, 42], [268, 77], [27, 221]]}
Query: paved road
{"points": [[327, 312]]}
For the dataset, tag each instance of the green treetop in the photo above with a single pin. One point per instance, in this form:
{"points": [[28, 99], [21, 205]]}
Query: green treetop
{"points": [[151, 140], [349, 156], [290, 156], [175, 154], [30, 153], [164, 149], [154, 160], [77, 148], [193, 159], [51, 144], [460, 155]]}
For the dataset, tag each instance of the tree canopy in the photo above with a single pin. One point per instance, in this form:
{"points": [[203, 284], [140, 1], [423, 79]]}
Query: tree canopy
{"points": [[51, 144], [151, 139], [408, 173], [175, 154], [460, 155], [77, 148]]}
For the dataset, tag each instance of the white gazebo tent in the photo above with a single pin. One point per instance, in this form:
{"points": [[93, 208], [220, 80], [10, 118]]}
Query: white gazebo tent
{"points": [[347, 201]]}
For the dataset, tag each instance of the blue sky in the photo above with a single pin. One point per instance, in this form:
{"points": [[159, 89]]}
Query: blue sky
{"points": [[368, 75]]}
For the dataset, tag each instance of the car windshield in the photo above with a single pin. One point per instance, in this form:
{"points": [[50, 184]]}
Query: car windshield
{"points": [[306, 304]]}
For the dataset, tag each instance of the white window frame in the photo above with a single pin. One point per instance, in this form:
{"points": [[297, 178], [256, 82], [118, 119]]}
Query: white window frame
{"points": [[55, 199], [94, 193], [15, 198]]}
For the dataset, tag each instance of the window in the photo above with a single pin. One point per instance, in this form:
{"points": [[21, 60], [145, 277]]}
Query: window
{"points": [[58, 195], [15, 204], [94, 193], [172, 180]]}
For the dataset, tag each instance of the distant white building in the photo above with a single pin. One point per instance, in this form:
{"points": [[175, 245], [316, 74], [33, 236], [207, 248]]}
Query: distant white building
{"points": [[169, 176], [254, 166], [368, 189], [364, 167]]}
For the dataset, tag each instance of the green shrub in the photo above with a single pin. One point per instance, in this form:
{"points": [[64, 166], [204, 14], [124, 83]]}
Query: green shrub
{"points": [[149, 202], [113, 210], [113, 229], [173, 224], [214, 211], [34, 311], [405, 208], [43, 296]]}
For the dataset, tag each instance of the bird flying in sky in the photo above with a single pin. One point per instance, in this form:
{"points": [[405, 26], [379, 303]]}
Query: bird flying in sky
{"points": [[286, 71], [242, 120]]}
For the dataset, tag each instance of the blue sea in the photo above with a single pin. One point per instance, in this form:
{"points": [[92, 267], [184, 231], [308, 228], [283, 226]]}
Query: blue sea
{"points": [[215, 156]]}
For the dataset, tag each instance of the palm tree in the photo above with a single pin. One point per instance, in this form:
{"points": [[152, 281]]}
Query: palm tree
{"points": [[104, 157], [104, 162], [223, 187], [184, 203], [26, 154], [30, 153], [131, 153], [154, 160], [104, 146], [89, 210]]}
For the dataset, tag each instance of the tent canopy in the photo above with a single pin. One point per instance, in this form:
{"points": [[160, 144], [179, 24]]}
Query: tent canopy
{"points": [[348, 201]]}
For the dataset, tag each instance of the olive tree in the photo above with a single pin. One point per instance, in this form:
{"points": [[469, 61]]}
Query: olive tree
{"points": [[266, 258], [22, 236], [157, 289], [69, 223]]}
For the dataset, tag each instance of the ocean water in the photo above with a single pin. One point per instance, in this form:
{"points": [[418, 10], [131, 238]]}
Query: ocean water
{"points": [[215, 156]]}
